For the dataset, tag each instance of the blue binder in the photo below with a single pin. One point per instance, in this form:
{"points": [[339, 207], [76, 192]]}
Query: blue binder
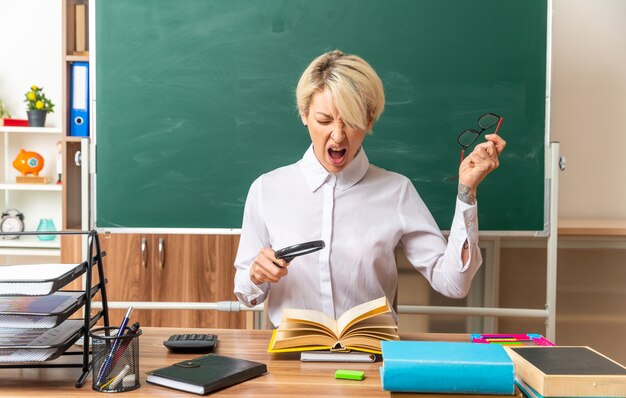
{"points": [[79, 107]]}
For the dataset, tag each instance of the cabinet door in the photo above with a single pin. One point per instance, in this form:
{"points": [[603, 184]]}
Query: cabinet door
{"points": [[195, 268], [127, 270]]}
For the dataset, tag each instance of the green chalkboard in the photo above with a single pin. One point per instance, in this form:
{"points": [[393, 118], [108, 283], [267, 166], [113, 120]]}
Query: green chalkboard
{"points": [[195, 99]]}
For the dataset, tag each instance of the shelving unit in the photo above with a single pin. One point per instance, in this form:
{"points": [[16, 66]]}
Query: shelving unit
{"points": [[35, 201], [76, 189], [38, 337]]}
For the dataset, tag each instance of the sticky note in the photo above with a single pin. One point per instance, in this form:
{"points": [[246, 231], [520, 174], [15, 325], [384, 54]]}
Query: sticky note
{"points": [[349, 374]]}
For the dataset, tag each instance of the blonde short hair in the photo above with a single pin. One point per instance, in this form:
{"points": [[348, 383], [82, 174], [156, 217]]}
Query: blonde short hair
{"points": [[356, 89]]}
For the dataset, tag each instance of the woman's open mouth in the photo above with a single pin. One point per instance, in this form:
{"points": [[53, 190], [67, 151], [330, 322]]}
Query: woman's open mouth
{"points": [[336, 155]]}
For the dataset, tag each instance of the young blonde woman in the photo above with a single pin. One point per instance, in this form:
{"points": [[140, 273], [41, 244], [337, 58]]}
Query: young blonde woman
{"points": [[360, 211]]}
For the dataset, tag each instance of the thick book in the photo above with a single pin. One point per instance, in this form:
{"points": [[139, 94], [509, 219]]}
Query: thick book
{"points": [[528, 392], [568, 371], [206, 374], [361, 328], [446, 367], [517, 394]]}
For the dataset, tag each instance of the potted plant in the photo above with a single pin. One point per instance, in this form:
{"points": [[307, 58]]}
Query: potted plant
{"points": [[4, 112], [38, 106]]}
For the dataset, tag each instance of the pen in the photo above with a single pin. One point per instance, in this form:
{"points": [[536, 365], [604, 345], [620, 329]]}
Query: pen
{"points": [[134, 328], [120, 332]]}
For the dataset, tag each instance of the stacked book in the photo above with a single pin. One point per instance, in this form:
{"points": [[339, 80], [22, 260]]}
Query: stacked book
{"points": [[567, 371], [448, 369]]}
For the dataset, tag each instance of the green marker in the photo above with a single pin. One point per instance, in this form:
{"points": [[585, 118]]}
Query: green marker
{"points": [[349, 374]]}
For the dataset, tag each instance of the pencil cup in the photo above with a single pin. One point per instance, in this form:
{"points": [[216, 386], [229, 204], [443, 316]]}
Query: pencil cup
{"points": [[115, 359]]}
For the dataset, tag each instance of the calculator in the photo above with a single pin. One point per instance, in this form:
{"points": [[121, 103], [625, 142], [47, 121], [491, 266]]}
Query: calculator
{"points": [[191, 342]]}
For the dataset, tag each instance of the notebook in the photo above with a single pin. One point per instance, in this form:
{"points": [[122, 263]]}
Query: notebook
{"points": [[206, 374]]}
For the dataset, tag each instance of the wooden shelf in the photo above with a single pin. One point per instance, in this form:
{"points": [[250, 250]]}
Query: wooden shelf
{"points": [[72, 138], [30, 130], [31, 187], [77, 58], [31, 242], [30, 246], [592, 227]]}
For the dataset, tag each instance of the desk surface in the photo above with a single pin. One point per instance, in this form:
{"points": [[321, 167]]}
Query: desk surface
{"points": [[592, 227], [286, 376]]}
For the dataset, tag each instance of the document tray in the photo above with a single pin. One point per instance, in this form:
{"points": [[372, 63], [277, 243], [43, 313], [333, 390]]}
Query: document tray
{"points": [[38, 345], [37, 279], [40, 312]]}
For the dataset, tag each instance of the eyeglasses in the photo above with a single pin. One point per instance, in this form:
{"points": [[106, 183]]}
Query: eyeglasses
{"points": [[469, 136]]}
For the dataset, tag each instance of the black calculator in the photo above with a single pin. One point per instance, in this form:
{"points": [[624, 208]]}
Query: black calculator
{"points": [[191, 342]]}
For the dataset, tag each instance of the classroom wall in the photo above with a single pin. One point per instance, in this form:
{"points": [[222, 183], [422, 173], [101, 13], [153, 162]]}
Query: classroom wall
{"points": [[589, 106], [30, 37]]}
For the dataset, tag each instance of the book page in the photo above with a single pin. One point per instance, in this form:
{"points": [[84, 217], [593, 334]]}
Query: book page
{"points": [[305, 327], [295, 339], [309, 316], [383, 323], [362, 311]]}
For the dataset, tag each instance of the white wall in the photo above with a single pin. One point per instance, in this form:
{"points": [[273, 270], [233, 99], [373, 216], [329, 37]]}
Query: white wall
{"points": [[589, 106], [30, 33]]}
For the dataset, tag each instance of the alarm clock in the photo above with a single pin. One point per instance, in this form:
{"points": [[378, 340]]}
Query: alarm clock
{"points": [[12, 221]]}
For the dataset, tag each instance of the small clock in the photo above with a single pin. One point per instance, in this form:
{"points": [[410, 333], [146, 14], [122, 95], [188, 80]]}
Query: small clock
{"points": [[12, 221]]}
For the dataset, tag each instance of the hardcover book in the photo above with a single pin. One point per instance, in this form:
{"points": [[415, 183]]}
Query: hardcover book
{"points": [[568, 371], [206, 374], [361, 328], [517, 394], [446, 368]]}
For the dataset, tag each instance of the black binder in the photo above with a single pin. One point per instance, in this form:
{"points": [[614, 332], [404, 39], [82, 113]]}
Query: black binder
{"points": [[206, 374]]}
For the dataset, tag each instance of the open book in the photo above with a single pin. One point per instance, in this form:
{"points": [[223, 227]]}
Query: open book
{"points": [[361, 328]]}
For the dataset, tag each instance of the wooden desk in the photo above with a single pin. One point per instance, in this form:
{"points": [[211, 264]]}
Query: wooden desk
{"points": [[286, 376]]}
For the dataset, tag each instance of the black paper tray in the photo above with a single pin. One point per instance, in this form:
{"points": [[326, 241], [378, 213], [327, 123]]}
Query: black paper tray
{"points": [[40, 312], [42, 349], [40, 287]]}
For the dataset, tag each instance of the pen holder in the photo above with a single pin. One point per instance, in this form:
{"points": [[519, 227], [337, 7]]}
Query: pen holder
{"points": [[115, 359]]}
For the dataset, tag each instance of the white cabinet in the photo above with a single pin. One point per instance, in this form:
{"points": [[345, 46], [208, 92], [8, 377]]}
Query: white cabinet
{"points": [[35, 201]]}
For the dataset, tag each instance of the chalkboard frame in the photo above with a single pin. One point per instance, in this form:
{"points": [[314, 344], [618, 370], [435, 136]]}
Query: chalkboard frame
{"points": [[539, 228]]}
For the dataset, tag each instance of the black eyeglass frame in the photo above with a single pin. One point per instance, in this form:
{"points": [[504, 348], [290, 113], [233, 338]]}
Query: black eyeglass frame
{"points": [[477, 133]]}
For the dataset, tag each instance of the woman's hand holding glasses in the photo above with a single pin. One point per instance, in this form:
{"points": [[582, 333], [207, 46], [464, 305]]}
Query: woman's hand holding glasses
{"points": [[484, 158]]}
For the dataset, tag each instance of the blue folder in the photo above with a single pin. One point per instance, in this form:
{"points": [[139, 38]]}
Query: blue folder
{"points": [[446, 367], [79, 107]]}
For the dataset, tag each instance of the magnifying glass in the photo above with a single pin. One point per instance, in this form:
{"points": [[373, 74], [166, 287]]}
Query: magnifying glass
{"points": [[290, 252]]}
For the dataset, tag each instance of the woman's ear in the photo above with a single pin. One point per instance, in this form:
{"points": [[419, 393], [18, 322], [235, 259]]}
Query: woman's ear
{"points": [[303, 116]]}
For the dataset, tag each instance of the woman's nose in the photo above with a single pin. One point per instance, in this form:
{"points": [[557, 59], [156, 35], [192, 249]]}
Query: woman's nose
{"points": [[338, 134]]}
